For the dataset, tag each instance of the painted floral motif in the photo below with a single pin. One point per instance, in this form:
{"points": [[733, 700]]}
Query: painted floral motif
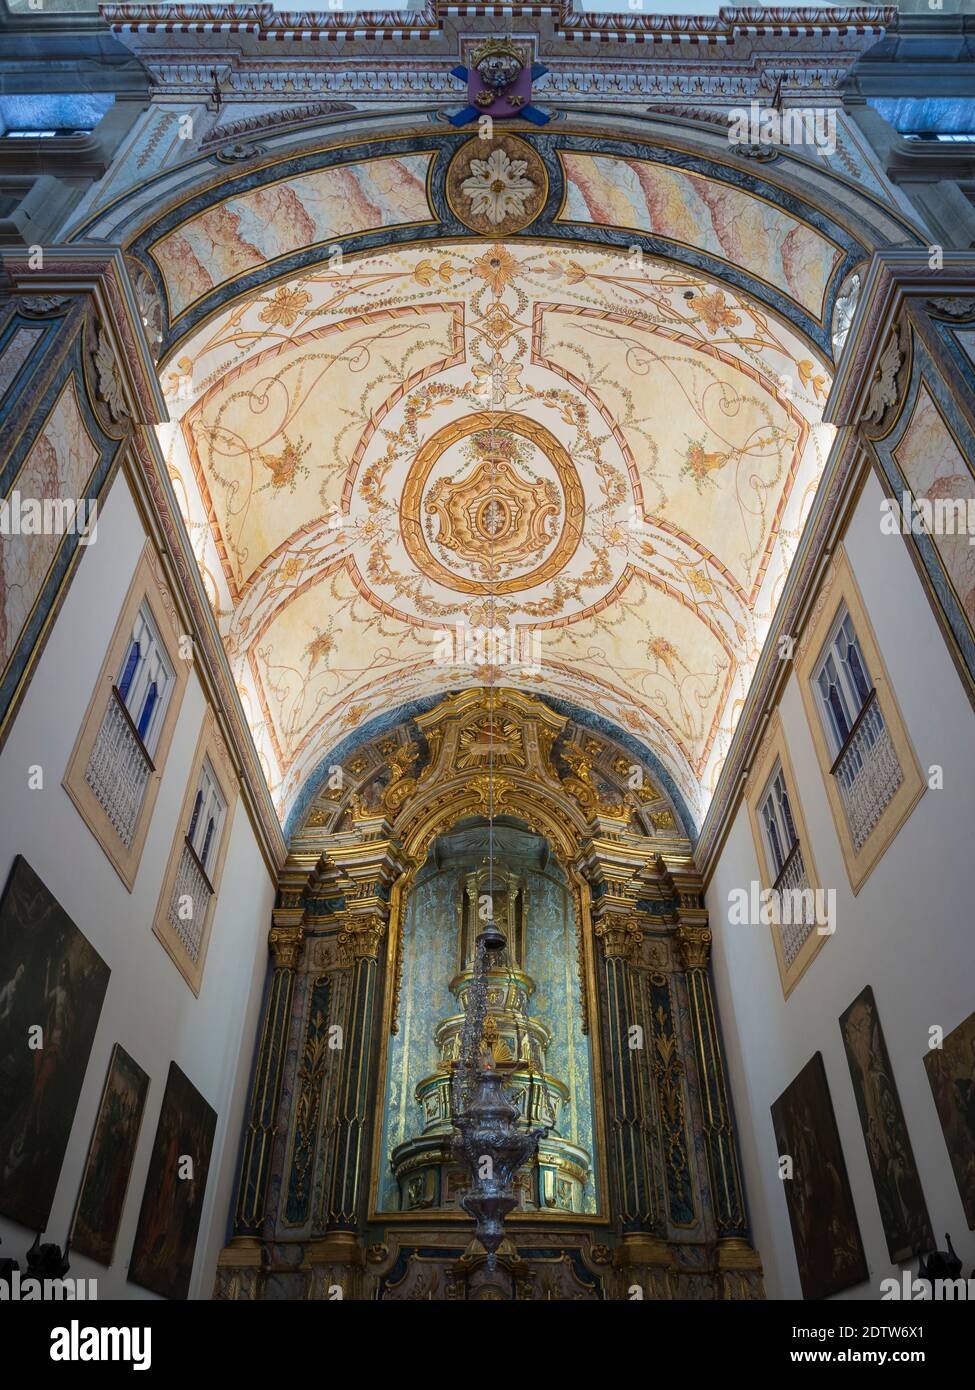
{"points": [[497, 268], [497, 187], [699, 463], [687, 412], [715, 313], [285, 467], [284, 307]]}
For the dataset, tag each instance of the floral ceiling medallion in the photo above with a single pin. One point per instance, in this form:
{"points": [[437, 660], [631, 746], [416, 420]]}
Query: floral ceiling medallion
{"points": [[497, 186]]}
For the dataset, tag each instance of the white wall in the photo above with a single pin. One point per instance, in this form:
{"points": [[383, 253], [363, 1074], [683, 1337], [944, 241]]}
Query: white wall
{"points": [[148, 1008], [908, 933]]}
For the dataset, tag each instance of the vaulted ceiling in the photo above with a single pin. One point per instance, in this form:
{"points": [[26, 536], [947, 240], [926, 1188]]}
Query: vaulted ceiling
{"points": [[608, 450]]}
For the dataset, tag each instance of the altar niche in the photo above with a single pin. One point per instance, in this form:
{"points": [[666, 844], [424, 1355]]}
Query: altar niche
{"points": [[534, 1027]]}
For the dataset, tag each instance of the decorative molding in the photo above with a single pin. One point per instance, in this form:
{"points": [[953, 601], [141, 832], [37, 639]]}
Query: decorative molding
{"points": [[712, 58], [843, 589], [694, 946], [267, 122], [619, 935], [285, 944], [954, 306], [43, 305], [110, 389], [363, 936], [885, 385]]}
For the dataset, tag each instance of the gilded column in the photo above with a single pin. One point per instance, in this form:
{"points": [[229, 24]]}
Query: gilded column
{"points": [[629, 1114], [739, 1266], [371, 868], [362, 938], [285, 941], [694, 945]]}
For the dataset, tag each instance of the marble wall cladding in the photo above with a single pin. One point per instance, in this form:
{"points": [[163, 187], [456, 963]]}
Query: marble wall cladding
{"points": [[715, 218], [271, 221], [935, 469], [14, 355], [53, 477]]}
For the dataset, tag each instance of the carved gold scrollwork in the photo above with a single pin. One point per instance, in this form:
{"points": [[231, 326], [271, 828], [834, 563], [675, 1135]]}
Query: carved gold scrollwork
{"points": [[694, 945], [285, 943], [619, 935], [363, 935]]}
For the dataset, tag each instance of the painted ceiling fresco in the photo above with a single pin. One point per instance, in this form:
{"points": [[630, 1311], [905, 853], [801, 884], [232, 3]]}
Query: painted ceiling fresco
{"points": [[607, 451]]}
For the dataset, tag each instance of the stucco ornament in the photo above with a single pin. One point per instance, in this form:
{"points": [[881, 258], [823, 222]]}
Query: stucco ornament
{"points": [[497, 187], [883, 389], [844, 311], [109, 382]]}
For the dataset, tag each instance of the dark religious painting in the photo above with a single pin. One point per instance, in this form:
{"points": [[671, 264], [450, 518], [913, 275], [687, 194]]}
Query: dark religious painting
{"points": [[165, 1242], [52, 986], [825, 1232], [951, 1072], [895, 1176], [110, 1155]]}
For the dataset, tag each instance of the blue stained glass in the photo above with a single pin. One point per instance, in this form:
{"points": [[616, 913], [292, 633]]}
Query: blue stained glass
{"points": [[145, 718], [131, 662]]}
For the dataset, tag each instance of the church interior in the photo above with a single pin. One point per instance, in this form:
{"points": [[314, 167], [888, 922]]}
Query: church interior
{"points": [[487, 650]]}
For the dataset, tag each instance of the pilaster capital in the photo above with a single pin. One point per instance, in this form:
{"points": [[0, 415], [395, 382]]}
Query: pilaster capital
{"points": [[363, 934], [286, 938], [694, 944], [619, 934]]}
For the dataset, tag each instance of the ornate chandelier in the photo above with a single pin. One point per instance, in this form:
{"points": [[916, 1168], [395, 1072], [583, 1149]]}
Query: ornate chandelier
{"points": [[488, 1138]]}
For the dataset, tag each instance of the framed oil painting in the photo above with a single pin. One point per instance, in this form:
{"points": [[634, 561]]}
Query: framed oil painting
{"points": [[52, 987], [110, 1156], [825, 1231], [169, 1220], [951, 1073], [903, 1210]]}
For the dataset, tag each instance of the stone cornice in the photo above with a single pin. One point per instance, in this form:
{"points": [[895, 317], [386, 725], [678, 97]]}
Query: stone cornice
{"points": [[101, 274], [729, 23], [896, 277], [257, 52]]}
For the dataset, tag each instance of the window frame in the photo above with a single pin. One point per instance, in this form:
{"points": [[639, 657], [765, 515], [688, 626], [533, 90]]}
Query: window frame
{"points": [[839, 595], [209, 758], [150, 664], [147, 592], [771, 760]]}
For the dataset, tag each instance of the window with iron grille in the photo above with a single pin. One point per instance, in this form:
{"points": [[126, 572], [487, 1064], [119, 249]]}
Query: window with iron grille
{"points": [[193, 886], [786, 862], [120, 763], [866, 767]]}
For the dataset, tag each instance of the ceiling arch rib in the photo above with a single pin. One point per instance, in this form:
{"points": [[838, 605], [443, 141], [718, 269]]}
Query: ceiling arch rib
{"points": [[659, 437], [281, 213]]}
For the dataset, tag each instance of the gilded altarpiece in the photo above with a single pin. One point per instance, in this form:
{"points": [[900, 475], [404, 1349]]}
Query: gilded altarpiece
{"points": [[601, 1013]]}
